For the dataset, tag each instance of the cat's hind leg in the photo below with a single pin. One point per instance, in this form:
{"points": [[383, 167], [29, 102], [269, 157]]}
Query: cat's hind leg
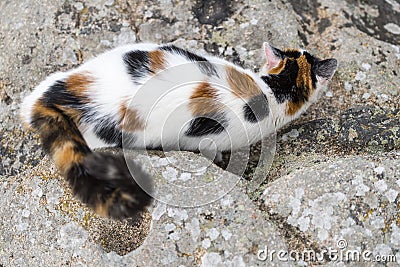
{"points": [[102, 181]]}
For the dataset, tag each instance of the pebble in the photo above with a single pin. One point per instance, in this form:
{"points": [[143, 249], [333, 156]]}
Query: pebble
{"points": [[244, 25], [385, 97], [105, 43], [26, 213], [397, 51], [194, 228], [366, 66], [395, 238], [379, 170], [148, 14], [347, 86], [79, 6], [185, 176], [230, 22], [159, 211], [206, 243], [229, 51], [22, 226], [174, 236], [391, 195], [72, 237], [366, 96], [395, 6], [170, 174], [127, 36], [226, 234], [170, 227], [378, 222], [360, 76], [109, 3], [380, 186], [38, 192], [294, 133], [392, 28], [254, 21], [213, 233], [69, 56], [211, 259]]}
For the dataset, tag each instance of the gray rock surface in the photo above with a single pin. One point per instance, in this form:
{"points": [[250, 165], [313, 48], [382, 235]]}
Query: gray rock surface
{"points": [[336, 170], [330, 204], [42, 225]]}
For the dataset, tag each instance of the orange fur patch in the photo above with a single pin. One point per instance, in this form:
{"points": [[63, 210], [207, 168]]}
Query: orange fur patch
{"points": [[102, 208], [79, 83], [157, 60], [64, 155], [279, 68], [304, 75], [292, 107], [204, 100], [40, 109], [241, 84], [303, 82], [62, 149], [74, 114], [130, 120]]}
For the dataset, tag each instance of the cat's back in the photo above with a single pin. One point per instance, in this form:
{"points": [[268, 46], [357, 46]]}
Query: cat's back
{"points": [[153, 83]]}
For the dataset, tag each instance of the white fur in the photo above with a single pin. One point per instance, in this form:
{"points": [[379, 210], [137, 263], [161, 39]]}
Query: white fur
{"points": [[162, 101], [30, 100]]}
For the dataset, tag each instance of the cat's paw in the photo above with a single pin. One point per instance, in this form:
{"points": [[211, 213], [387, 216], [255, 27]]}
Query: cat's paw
{"points": [[104, 182]]}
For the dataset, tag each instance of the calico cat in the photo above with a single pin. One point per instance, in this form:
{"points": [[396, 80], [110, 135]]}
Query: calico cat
{"points": [[119, 92]]}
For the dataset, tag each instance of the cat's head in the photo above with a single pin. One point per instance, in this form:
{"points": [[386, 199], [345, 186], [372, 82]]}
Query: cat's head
{"points": [[295, 75]]}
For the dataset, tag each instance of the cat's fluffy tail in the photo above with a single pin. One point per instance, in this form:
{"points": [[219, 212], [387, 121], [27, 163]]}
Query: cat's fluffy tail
{"points": [[102, 181]]}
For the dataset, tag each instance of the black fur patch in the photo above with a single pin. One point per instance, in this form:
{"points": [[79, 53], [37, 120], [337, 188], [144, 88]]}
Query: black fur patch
{"points": [[310, 58], [57, 94], [283, 85], [157, 147], [256, 109], [313, 62], [204, 65], [205, 125], [291, 53], [108, 131], [64, 130], [137, 63], [326, 68], [277, 52], [104, 180]]}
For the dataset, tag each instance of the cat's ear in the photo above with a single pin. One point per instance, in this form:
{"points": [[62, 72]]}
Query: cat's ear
{"points": [[272, 55], [326, 68]]}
